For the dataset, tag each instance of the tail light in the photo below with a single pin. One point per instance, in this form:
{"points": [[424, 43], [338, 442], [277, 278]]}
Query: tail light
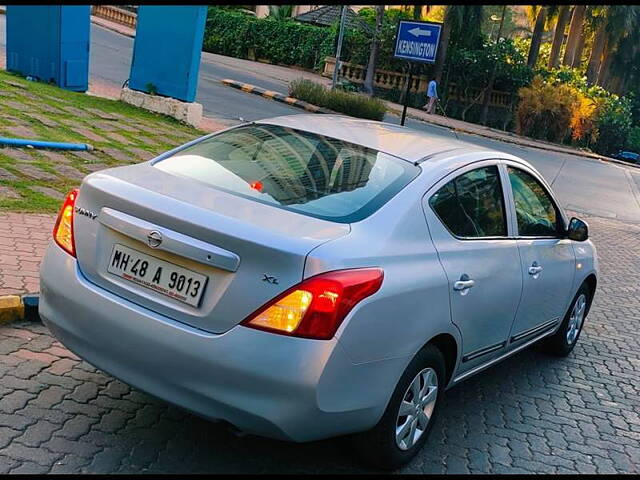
{"points": [[316, 307], [63, 231]]}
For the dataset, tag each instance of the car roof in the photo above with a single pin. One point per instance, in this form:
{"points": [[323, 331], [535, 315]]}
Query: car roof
{"points": [[406, 143]]}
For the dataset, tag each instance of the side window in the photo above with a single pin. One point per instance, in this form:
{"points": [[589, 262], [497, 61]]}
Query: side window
{"points": [[535, 211], [471, 205]]}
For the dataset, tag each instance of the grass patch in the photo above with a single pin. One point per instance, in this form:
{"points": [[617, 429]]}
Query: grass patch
{"points": [[348, 103], [54, 114]]}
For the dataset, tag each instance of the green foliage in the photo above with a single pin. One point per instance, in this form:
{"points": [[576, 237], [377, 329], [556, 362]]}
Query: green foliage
{"points": [[472, 67], [545, 111], [280, 12], [151, 88], [280, 42], [357, 43], [634, 140], [614, 123], [341, 101]]}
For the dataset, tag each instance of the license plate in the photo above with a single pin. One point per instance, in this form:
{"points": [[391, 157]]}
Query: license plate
{"points": [[164, 277]]}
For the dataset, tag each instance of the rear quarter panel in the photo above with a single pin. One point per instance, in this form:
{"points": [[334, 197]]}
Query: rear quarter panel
{"points": [[412, 306]]}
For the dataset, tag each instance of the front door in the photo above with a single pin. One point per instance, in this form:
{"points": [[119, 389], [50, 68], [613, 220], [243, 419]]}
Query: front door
{"points": [[467, 220], [548, 260]]}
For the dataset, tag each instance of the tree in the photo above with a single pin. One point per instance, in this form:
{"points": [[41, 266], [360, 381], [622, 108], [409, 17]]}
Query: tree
{"points": [[417, 12], [558, 36], [373, 54], [573, 54], [492, 79], [462, 25], [620, 64], [620, 22], [536, 38]]}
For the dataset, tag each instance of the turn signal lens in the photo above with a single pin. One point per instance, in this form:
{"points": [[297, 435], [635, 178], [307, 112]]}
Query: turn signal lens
{"points": [[316, 307], [63, 231]]}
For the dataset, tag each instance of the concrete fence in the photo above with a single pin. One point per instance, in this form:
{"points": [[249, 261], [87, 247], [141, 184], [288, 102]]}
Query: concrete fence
{"points": [[115, 14], [396, 80]]}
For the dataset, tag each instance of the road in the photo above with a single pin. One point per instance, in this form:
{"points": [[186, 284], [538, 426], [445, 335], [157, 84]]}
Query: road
{"points": [[582, 184]]}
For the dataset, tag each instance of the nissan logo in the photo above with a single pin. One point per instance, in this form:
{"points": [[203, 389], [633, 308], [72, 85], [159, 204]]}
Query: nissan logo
{"points": [[154, 239]]}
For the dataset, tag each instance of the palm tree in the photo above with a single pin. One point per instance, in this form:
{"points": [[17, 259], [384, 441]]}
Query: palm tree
{"points": [[558, 36], [373, 53], [462, 24], [573, 54], [538, 30], [613, 22], [621, 46], [620, 21], [492, 78]]}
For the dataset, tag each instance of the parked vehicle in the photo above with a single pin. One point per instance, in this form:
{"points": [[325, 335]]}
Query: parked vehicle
{"points": [[628, 156], [310, 276]]}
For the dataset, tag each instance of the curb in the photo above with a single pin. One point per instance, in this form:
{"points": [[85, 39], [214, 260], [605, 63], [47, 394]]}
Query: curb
{"points": [[516, 141], [14, 308], [113, 26], [278, 97]]}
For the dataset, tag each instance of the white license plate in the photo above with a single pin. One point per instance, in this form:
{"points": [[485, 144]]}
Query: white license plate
{"points": [[164, 277]]}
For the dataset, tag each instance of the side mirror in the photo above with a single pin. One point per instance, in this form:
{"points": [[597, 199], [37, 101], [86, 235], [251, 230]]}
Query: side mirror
{"points": [[578, 230]]}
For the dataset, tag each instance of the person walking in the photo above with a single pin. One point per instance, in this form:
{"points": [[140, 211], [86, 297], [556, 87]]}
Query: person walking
{"points": [[432, 93]]}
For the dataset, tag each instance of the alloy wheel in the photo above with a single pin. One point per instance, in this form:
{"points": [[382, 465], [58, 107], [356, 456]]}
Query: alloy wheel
{"points": [[576, 319], [416, 408]]}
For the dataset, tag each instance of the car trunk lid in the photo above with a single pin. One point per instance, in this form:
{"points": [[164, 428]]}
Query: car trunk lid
{"points": [[249, 252]]}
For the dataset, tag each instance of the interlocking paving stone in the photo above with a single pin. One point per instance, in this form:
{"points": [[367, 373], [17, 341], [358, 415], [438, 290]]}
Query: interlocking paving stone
{"points": [[21, 131], [49, 192], [34, 172], [531, 414], [7, 192], [69, 172], [89, 134], [19, 154], [6, 175], [46, 121]]}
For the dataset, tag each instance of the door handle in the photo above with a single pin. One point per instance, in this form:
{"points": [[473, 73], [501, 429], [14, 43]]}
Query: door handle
{"points": [[464, 283], [535, 269]]}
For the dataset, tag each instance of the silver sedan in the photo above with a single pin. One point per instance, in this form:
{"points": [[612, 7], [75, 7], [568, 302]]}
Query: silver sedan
{"points": [[310, 276]]}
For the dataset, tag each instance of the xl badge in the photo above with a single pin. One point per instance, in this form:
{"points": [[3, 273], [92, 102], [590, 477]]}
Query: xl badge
{"points": [[269, 279]]}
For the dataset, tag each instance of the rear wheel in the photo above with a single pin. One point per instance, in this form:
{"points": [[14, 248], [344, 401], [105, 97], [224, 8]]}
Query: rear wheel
{"points": [[410, 414], [564, 340]]}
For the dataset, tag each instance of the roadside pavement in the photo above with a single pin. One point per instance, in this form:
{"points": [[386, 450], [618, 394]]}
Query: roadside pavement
{"points": [[23, 241], [531, 414]]}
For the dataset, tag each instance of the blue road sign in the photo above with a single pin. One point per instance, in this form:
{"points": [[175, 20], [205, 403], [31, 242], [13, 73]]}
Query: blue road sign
{"points": [[417, 41]]}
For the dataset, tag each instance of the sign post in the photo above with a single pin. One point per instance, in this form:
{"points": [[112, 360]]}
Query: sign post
{"points": [[416, 42]]}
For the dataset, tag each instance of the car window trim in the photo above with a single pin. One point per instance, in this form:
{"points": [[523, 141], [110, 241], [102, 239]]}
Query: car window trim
{"points": [[488, 162], [559, 212]]}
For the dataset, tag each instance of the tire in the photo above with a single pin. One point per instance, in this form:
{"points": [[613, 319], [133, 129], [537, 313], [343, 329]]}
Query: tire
{"points": [[564, 340], [378, 447]]}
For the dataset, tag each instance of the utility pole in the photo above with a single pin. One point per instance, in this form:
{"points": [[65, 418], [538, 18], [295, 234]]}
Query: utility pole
{"points": [[343, 17]]}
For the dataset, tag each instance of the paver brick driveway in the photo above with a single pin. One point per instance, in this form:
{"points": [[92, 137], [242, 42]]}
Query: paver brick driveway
{"points": [[533, 413]]}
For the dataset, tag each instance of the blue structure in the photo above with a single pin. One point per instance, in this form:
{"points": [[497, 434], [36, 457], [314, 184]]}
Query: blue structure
{"points": [[166, 52], [417, 41], [50, 42]]}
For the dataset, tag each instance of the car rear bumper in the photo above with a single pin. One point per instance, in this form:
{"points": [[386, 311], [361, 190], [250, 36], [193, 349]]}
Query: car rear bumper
{"points": [[272, 385]]}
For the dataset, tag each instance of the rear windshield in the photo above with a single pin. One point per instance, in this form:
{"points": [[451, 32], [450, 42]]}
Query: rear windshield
{"points": [[300, 171]]}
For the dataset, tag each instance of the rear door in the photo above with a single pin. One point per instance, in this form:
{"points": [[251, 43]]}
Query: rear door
{"points": [[548, 259], [469, 224]]}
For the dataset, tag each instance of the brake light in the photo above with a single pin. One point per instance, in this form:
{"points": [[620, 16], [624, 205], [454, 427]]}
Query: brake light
{"points": [[316, 307], [63, 231]]}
